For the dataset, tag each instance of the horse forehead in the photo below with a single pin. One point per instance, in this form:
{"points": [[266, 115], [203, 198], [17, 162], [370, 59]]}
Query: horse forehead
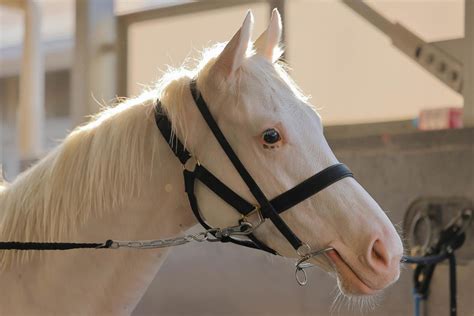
{"points": [[265, 101]]}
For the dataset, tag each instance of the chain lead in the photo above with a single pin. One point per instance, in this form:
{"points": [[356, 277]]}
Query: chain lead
{"points": [[214, 234]]}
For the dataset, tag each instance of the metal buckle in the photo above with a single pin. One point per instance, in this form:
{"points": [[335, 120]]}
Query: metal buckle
{"points": [[235, 231], [245, 226], [245, 219]]}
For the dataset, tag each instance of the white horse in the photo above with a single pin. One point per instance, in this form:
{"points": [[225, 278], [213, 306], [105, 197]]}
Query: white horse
{"points": [[116, 177]]}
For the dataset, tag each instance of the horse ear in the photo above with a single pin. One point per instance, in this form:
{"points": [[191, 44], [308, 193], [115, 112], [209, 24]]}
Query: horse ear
{"points": [[267, 45], [234, 52]]}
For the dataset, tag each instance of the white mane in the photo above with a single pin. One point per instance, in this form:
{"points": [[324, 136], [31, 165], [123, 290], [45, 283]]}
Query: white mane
{"points": [[99, 166]]}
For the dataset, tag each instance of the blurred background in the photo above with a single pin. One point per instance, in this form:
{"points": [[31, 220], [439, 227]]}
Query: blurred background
{"points": [[394, 81]]}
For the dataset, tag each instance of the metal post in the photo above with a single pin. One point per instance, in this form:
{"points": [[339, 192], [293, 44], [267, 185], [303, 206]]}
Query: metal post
{"points": [[468, 89], [30, 115], [441, 64], [94, 69]]}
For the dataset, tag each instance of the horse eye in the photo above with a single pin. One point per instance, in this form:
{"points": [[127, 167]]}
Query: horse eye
{"points": [[271, 136]]}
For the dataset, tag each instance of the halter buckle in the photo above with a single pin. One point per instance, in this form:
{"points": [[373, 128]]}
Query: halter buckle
{"points": [[242, 230], [245, 219]]}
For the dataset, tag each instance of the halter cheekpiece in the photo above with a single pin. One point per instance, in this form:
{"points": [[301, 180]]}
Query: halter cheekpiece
{"points": [[252, 215]]}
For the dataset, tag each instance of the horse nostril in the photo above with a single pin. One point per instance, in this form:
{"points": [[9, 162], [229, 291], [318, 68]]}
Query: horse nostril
{"points": [[379, 253]]}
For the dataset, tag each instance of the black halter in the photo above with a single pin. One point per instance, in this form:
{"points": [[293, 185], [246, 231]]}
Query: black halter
{"points": [[266, 208]]}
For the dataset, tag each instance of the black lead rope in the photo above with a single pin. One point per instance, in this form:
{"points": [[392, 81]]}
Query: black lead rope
{"points": [[16, 245]]}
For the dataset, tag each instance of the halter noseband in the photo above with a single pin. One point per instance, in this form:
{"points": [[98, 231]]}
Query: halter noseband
{"points": [[265, 209]]}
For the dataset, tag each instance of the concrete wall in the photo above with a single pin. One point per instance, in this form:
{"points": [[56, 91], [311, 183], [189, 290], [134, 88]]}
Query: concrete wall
{"points": [[217, 279]]}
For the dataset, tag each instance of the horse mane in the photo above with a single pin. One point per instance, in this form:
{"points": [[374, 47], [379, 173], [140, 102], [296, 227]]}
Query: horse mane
{"points": [[97, 168]]}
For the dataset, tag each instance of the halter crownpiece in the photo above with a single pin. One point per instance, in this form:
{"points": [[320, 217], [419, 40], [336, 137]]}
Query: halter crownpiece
{"points": [[266, 209]]}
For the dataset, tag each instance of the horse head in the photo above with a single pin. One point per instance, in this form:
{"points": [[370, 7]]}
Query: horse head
{"points": [[278, 136]]}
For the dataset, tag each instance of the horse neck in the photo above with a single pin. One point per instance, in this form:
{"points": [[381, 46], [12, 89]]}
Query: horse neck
{"points": [[100, 282]]}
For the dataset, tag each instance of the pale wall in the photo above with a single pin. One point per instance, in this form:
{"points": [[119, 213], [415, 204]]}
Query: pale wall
{"points": [[347, 66], [154, 45]]}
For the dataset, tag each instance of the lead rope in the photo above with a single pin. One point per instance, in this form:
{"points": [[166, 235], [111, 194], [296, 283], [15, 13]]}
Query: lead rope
{"points": [[246, 228], [211, 235]]}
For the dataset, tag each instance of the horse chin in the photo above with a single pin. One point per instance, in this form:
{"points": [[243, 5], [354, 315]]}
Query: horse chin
{"points": [[355, 288], [349, 283]]}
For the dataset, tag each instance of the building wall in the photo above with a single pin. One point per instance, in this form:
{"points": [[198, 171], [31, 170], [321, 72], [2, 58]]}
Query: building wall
{"points": [[351, 69], [158, 44]]}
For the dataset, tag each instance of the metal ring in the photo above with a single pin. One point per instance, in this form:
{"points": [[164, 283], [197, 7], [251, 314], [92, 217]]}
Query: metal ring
{"points": [[421, 218], [301, 277], [200, 236], [247, 226], [246, 220], [303, 250]]}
